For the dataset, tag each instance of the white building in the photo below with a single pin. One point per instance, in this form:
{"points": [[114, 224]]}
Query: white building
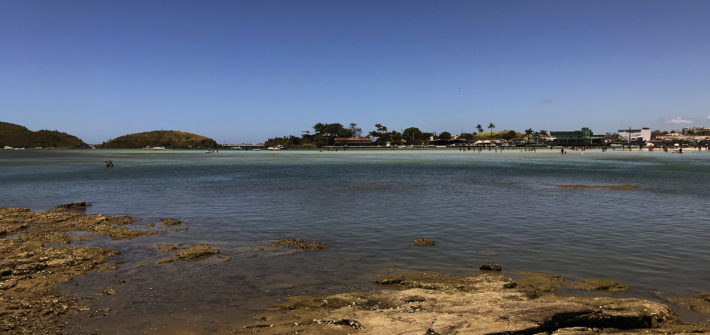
{"points": [[632, 135]]}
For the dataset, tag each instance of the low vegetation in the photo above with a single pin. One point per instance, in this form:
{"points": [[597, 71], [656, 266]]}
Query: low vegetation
{"points": [[161, 138], [17, 136], [324, 134]]}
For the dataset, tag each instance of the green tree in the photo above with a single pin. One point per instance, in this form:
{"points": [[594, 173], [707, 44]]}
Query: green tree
{"points": [[529, 132], [491, 126], [542, 134], [445, 135], [331, 130], [354, 130], [479, 128], [426, 137], [395, 137], [381, 134], [413, 135], [325, 133]]}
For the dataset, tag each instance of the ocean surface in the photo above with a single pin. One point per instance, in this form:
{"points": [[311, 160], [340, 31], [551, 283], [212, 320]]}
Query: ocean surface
{"points": [[368, 205]]}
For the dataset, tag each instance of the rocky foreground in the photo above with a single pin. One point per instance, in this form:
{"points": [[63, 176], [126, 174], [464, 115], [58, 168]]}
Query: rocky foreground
{"points": [[484, 303], [36, 254]]}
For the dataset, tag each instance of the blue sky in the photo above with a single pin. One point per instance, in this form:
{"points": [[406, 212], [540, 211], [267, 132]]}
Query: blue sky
{"points": [[243, 71]]}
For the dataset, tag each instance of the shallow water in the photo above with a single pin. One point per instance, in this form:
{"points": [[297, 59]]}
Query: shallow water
{"points": [[369, 205]]}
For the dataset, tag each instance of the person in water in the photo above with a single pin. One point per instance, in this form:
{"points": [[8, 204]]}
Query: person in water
{"points": [[109, 164]]}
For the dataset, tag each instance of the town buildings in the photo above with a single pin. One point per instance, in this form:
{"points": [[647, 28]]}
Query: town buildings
{"points": [[635, 135], [576, 137], [701, 131]]}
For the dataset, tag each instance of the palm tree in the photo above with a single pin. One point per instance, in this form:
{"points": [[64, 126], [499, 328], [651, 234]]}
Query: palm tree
{"points": [[542, 133], [491, 126], [479, 128], [529, 132]]}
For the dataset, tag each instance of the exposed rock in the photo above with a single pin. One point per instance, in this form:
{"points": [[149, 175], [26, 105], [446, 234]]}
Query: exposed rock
{"points": [[164, 260], [171, 222], [299, 244], [534, 284], [169, 247], [191, 253], [491, 267], [79, 205], [424, 242], [434, 303], [440, 281], [30, 270], [699, 302], [600, 285], [195, 253]]}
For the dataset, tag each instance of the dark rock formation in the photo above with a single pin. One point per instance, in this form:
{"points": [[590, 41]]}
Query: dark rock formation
{"points": [[299, 244], [79, 205], [491, 267], [424, 242]]}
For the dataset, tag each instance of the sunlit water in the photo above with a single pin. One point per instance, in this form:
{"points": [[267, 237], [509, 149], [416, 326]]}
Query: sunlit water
{"points": [[369, 205]]}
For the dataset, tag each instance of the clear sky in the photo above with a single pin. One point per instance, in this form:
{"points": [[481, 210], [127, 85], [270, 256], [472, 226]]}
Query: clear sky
{"points": [[243, 71]]}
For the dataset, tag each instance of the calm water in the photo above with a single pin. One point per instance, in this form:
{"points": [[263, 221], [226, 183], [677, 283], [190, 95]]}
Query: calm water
{"points": [[369, 206]]}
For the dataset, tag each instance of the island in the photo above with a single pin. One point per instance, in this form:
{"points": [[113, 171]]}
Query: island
{"points": [[160, 139]]}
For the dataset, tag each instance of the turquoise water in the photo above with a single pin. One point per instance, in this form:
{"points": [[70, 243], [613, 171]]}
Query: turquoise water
{"points": [[369, 205]]}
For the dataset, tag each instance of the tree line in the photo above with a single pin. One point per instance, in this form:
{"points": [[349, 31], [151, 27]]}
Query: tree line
{"points": [[324, 134]]}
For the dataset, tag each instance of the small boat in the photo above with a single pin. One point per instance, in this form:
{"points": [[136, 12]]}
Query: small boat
{"points": [[155, 148], [7, 147]]}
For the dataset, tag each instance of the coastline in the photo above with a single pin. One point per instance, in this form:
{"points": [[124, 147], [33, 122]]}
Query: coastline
{"points": [[38, 255]]}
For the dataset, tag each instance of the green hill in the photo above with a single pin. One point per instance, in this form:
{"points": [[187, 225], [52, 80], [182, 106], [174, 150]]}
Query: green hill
{"points": [[161, 138], [17, 136]]}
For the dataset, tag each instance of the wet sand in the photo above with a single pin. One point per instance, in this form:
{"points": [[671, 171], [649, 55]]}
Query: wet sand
{"points": [[38, 252]]}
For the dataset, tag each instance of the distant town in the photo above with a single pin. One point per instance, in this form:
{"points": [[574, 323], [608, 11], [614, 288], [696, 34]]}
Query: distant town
{"points": [[337, 135]]}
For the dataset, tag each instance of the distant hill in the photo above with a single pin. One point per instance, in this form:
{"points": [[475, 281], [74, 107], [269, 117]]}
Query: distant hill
{"points": [[17, 136], [161, 138]]}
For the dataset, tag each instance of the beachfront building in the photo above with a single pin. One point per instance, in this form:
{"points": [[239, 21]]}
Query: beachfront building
{"points": [[696, 131], [353, 141], [576, 137], [635, 135]]}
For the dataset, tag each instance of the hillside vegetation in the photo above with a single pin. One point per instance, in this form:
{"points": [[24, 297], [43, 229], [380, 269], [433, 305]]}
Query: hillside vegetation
{"points": [[17, 136], [161, 138]]}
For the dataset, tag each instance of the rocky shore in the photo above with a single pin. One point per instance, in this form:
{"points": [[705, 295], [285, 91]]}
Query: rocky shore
{"points": [[38, 251], [483, 303], [36, 254]]}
